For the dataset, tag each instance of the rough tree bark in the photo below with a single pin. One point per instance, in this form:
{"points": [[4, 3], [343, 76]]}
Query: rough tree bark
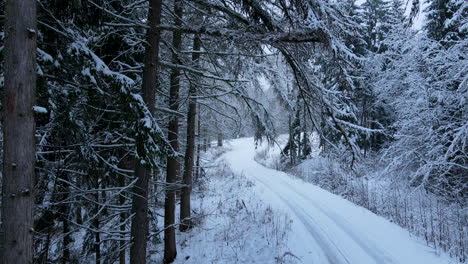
{"points": [[139, 228], [170, 251], [18, 132], [185, 217]]}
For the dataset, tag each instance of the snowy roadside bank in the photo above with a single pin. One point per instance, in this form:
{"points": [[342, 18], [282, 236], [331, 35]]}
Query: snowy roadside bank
{"points": [[233, 225], [439, 224]]}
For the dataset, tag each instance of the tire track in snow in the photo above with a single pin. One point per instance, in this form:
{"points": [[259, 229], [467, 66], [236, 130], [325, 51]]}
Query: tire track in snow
{"points": [[378, 255], [325, 243]]}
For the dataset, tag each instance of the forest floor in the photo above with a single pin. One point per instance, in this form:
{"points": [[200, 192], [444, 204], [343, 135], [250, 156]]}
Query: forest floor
{"points": [[248, 213]]}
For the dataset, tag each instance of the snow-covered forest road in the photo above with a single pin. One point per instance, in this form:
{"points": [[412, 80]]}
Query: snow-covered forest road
{"points": [[325, 227]]}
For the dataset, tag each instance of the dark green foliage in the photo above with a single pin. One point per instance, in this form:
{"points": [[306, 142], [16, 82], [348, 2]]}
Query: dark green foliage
{"points": [[87, 137], [445, 19]]}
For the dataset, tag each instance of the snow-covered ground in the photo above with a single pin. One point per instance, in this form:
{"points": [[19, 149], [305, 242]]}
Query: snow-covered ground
{"points": [[233, 224], [326, 228]]}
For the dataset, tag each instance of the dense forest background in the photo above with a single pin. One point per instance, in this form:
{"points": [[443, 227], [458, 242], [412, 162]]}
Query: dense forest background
{"points": [[130, 94]]}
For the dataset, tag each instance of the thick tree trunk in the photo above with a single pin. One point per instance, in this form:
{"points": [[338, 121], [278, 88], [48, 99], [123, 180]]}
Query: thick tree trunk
{"points": [[139, 228], [170, 251], [185, 218], [18, 132], [220, 140]]}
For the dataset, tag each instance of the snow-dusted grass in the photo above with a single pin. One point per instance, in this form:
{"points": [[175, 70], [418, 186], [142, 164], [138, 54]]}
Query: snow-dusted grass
{"points": [[443, 225], [269, 155], [232, 224]]}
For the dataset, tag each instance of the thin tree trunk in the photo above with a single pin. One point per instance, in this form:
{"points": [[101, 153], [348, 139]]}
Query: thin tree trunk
{"points": [[185, 217], [65, 210], [79, 218], [139, 228], [205, 140], [220, 140], [45, 259], [291, 142], [66, 241], [305, 139], [18, 132], [123, 217], [95, 223], [170, 251], [197, 169], [97, 237]]}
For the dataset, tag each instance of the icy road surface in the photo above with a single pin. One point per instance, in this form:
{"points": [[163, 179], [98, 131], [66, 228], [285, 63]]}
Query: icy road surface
{"points": [[327, 228]]}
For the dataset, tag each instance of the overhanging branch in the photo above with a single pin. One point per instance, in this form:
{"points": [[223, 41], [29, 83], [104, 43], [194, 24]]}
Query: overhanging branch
{"points": [[302, 36]]}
